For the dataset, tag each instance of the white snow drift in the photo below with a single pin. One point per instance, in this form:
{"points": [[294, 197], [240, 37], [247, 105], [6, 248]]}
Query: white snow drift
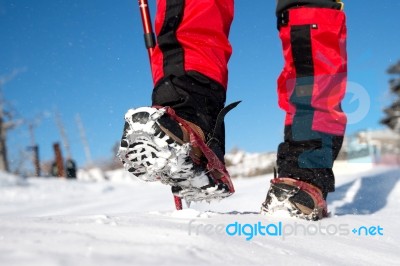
{"points": [[60, 222]]}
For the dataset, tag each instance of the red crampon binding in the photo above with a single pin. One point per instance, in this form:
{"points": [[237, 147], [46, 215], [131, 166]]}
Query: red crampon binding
{"points": [[213, 163], [308, 188]]}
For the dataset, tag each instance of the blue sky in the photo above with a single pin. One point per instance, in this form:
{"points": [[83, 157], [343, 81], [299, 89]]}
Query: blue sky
{"points": [[88, 58]]}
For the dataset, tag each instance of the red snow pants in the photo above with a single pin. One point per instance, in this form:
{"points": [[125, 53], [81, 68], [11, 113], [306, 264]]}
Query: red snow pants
{"points": [[192, 36]]}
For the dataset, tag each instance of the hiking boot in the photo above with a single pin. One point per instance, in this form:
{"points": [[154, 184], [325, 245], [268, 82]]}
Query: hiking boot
{"points": [[179, 141], [298, 198]]}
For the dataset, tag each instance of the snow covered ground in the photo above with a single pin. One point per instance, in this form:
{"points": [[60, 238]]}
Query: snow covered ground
{"points": [[120, 222]]}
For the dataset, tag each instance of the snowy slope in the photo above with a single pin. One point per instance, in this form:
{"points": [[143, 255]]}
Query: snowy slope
{"points": [[59, 222], [244, 164]]}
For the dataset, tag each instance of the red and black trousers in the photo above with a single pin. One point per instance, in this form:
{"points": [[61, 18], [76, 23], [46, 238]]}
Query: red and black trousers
{"points": [[311, 87], [189, 67]]}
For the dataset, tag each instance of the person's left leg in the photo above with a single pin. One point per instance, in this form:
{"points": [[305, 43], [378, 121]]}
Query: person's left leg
{"points": [[310, 88]]}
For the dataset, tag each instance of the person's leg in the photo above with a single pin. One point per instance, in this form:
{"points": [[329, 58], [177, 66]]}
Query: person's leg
{"points": [[189, 67], [189, 64], [310, 88]]}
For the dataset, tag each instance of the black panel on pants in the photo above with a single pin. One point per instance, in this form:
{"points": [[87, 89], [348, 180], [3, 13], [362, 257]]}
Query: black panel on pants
{"points": [[306, 154], [168, 42]]}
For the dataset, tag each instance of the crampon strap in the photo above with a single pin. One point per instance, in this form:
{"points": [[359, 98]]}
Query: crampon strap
{"points": [[213, 163], [308, 188]]}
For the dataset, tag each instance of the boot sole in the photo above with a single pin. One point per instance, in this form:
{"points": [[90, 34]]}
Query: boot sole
{"points": [[279, 199], [150, 154]]}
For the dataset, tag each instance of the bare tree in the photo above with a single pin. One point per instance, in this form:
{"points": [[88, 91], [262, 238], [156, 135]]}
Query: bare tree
{"points": [[84, 140], [34, 148], [63, 133], [7, 121], [20, 165]]}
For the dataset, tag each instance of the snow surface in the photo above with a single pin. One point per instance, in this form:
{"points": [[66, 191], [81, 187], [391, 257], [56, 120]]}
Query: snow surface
{"points": [[61, 222]]}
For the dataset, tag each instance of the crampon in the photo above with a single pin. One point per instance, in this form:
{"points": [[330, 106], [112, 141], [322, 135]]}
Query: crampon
{"points": [[297, 198], [152, 152]]}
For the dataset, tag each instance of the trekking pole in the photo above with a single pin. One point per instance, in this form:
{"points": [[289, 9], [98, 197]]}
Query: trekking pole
{"points": [[150, 42], [149, 38]]}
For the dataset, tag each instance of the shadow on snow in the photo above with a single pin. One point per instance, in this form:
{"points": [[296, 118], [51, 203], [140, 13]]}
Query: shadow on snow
{"points": [[371, 197]]}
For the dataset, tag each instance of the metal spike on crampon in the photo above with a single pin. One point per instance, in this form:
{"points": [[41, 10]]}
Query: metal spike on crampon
{"points": [[281, 198], [152, 155]]}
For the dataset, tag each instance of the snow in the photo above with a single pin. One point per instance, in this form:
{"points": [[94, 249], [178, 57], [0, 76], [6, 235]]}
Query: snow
{"points": [[94, 221]]}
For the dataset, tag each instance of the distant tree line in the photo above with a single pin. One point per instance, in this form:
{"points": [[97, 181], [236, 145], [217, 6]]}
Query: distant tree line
{"points": [[392, 112]]}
